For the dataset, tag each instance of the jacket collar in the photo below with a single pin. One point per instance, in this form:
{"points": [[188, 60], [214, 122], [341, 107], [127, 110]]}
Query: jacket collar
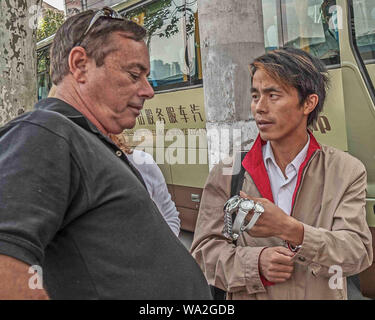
{"points": [[254, 165]]}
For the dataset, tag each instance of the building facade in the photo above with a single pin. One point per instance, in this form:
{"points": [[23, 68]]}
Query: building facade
{"points": [[74, 6]]}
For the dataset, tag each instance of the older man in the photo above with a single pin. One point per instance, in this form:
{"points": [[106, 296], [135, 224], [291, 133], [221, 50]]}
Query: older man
{"points": [[72, 206], [313, 231]]}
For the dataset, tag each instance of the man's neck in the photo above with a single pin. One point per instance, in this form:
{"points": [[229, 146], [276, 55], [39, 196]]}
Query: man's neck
{"points": [[71, 96], [285, 151]]}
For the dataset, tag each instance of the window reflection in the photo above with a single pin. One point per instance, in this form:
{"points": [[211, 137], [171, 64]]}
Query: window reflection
{"points": [[364, 24], [173, 41], [312, 25], [269, 8], [43, 77], [44, 84]]}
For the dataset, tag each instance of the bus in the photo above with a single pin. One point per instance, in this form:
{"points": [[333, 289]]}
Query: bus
{"points": [[172, 126]]}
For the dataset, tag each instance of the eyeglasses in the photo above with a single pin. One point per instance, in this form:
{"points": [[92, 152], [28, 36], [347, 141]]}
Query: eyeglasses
{"points": [[106, 12]]}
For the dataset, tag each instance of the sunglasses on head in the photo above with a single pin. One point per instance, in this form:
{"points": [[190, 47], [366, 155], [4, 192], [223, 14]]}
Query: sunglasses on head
{"points": [[106, 12]]}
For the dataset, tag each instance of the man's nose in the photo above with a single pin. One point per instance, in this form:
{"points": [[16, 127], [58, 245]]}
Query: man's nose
{"points": [[261, 105], [146, 91]]}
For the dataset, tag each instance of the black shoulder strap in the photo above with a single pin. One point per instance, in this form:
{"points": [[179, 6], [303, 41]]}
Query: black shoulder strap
{"points": [[237, 179], [235, 188]]}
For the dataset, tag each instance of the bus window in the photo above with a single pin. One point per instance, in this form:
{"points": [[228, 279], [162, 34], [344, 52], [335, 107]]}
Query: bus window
{"points": [[173, 42], [270, 24], [312, 25], [43, 77], [364, 24]]}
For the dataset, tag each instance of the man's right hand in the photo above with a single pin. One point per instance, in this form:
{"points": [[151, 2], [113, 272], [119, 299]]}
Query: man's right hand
{"points": [[276, 264]]}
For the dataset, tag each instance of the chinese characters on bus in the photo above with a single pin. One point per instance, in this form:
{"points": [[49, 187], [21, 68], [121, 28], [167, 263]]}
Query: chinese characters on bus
{"points": [[171, 115]]}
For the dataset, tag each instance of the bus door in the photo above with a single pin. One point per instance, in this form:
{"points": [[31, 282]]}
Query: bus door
{"points": [[358, 74]]}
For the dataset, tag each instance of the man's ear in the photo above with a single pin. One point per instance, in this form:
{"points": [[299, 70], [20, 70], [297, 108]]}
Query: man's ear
{"points": [[310, 103], [78, 63]]}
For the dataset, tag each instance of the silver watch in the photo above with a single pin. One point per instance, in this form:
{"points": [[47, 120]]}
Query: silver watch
{"points": [[244, 207], [229, 208], [291, 248], [258, 210]]}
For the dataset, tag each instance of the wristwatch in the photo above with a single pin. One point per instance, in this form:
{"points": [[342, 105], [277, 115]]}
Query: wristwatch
{"points": [[231, 205], [291, 248], [258, 210], [229, 208], [244, 207]]}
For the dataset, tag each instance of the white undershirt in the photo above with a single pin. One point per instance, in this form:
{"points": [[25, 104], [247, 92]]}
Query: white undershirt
{"points": [[156, 187], [282, 188]]}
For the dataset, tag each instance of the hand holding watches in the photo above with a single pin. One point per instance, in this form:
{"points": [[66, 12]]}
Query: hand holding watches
{"points": [[242, 206], [232, 230]]}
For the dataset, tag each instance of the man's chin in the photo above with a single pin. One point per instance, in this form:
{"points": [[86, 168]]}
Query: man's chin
{"points": [[264, 136], [129, 124], [120, 127]]}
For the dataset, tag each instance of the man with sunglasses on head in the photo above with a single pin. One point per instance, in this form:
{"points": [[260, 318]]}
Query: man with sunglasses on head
{"points": [[73, 209]]}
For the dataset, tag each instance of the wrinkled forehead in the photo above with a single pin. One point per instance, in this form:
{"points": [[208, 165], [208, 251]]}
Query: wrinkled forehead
{"points": [[128, 45], [118, 38], [131, 53]]}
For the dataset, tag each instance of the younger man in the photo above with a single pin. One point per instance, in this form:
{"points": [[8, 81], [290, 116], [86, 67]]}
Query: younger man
{"points": [[314, 221]]}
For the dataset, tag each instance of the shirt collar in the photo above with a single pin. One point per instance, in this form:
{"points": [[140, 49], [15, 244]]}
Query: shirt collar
{"points": [[268, 153], [57, 105], [60, 106], [254, 165], [296, 162]]}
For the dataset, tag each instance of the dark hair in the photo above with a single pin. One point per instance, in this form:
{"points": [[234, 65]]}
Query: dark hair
{"points": [[96, 42], [296, 68]]}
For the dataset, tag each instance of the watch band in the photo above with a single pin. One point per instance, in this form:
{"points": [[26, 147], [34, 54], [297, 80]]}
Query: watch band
{"points": [[238, 222], [258, 210], [252, 222]]}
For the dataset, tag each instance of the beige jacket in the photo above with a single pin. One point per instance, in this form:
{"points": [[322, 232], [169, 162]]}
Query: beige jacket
{"points": [[330, 202]]}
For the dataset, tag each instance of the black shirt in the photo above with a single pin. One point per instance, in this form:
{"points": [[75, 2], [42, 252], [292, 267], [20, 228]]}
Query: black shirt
{"points": [[71, 203]]}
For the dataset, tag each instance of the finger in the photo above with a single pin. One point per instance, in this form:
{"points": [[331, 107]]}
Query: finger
{"points": [[244, 195], [262, 201], [248, 217], [257, 231], [281, 268], [277, 280], [279, 275], [282, 259], [285, 251]]}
